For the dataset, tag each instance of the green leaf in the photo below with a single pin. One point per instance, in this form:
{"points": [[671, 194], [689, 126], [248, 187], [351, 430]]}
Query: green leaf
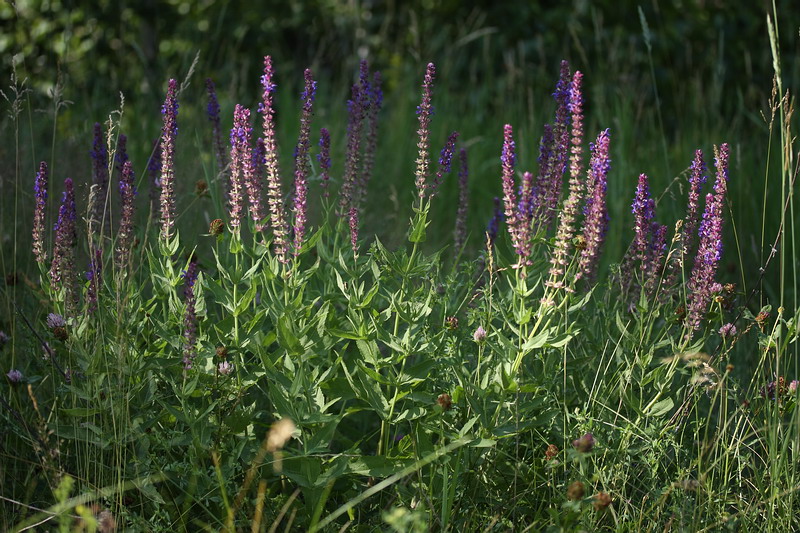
{"points": [[418, 227], [661, 408], [287, 338], [369, 351]]}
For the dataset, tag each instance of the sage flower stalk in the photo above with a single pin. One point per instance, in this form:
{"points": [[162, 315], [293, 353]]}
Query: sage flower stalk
{"points": [[348, 194], [596, 222], [40, 197], [127, 192], [301, 162], [99, 154], [277, 218], [169, 131], [62, 269], [324, 158], [424, 113]]}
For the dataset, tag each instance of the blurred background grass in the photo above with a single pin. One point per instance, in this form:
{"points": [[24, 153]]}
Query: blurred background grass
{"points": [[666, 77]]}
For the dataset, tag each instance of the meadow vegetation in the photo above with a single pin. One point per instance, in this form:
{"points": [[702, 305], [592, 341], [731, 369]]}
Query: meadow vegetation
{"points": [[387, 305]]}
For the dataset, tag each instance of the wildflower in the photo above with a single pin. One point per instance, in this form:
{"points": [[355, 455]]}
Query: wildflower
{"points": [[709, 250], [99, 155], [727, 330], [445, 160], [480, 335], [494, 222], [697, 178], [301, 164], [551, 181], [596, 223], [95, 277], [451, 322], [551, 452], [121, 153], [189, 317], [60, 333], [224, 368], [4, 338], [601, 501], [217, 227], [444, 401], [324, 158], [518, 227], [349, 191], [54, 320], [222, 352], [201, 189], [62, 269], [154, 172], [241, 169], [271, 162], [213, 111], [127, 192], [373, 96], [353, 215], [169, 132], [575, 491], [40, 196], [424, 113], [793, 386], [14, 375], [584, 444], [460, 233]]}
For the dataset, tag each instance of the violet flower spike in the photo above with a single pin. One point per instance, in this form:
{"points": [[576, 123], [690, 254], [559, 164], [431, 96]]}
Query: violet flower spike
{"points": [[709, 250], [560, 151], [62, 269], [445, 163], [95, 278], [541, 186], [353, 216], [460, 233], [697, 178], [169, 132], [494, 223], [127, 192], [424, 113], [99, 154], [241, 164], [213, 112], [569, 211], [40, 197], [596, 223], [190, 316], [274, 193], [154, 173], [324, 158], [515, 225], [348, 195], [643, 209], [121, 154], [301, 162], [373, 97]]}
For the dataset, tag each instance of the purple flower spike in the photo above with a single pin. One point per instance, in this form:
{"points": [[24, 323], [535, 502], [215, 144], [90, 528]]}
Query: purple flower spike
{"points": [[95, 277], [62, 270], [190, 316], [709, 251], [241, 165], [99, 155], [445, 160], [324, 158], [275, 195], [14, 376], [301, 162], [424, 113], [213, 111], [169, 132], [40, 196], [697, 178], [569, 210], [154, 172], [460, 234], [643, 209], [127, 192], [518, 227], [596, 223], [121, 154], [348, 196], [353, 215], [373, 99], [494, 223]]}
